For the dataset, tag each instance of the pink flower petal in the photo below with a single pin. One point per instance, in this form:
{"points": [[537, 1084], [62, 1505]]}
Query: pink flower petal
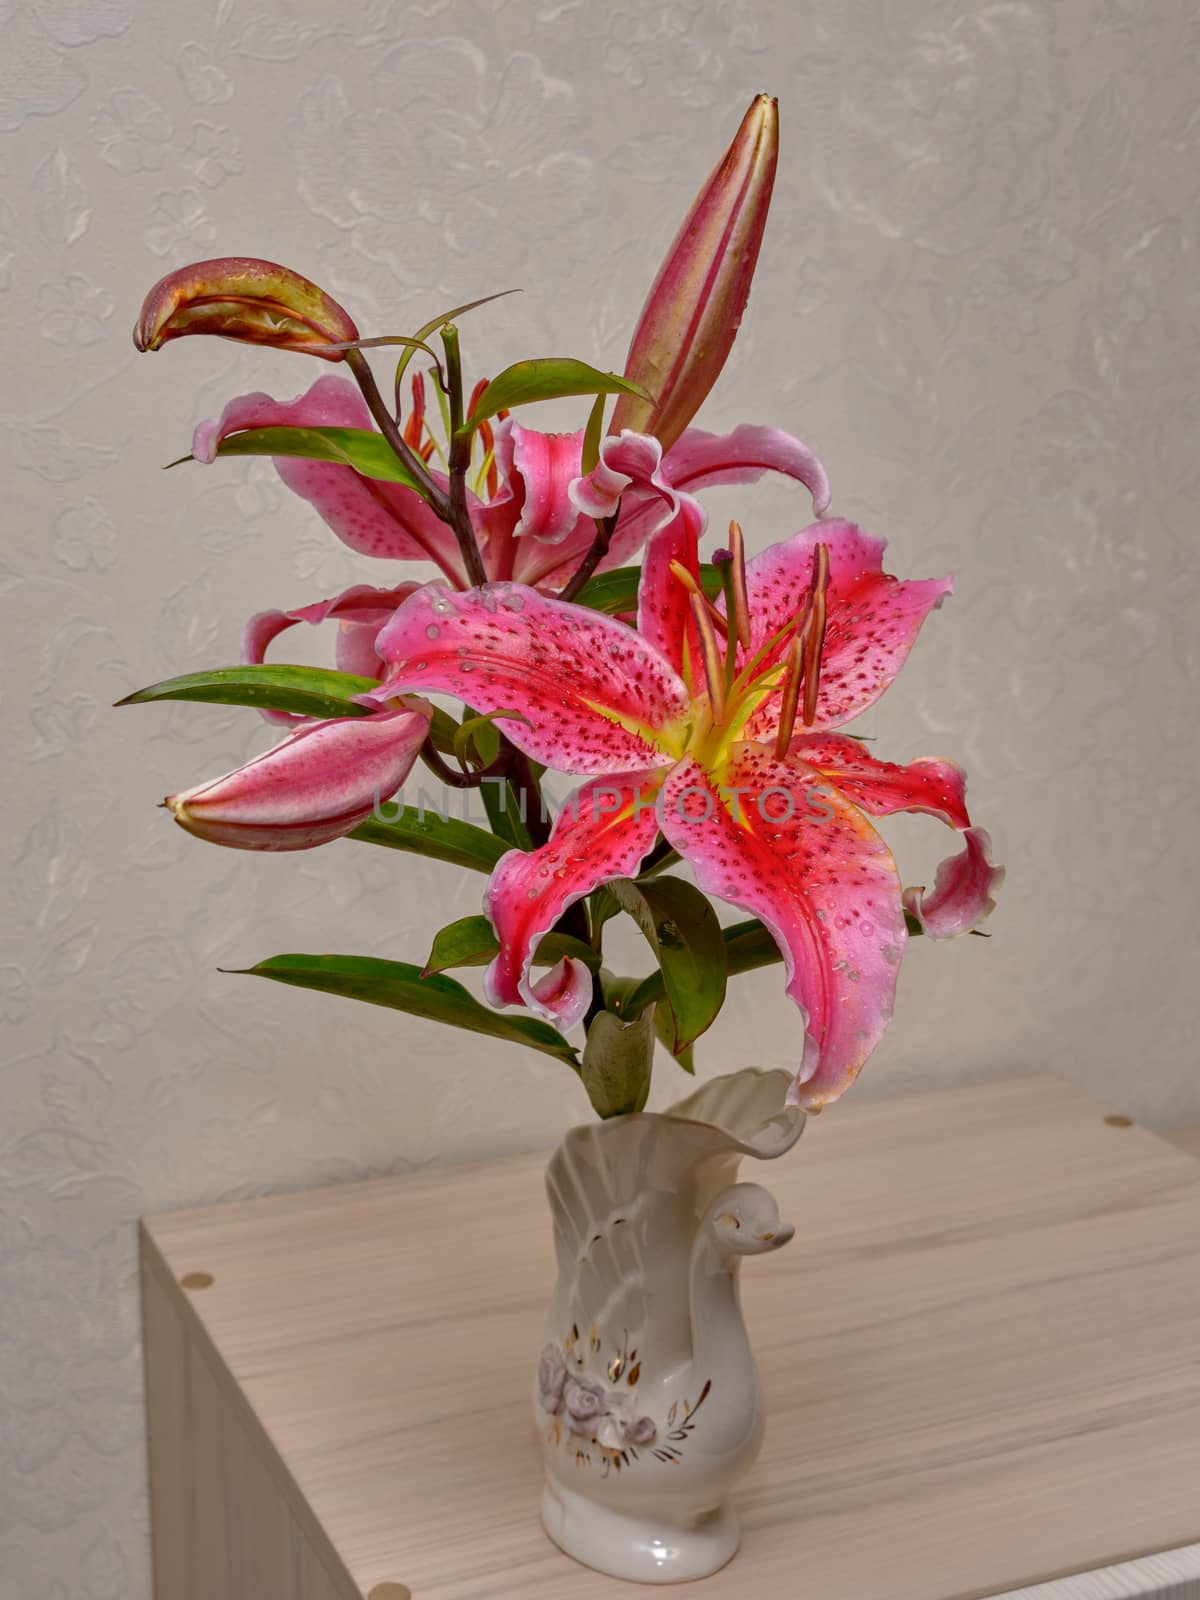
{"points": [[873, 619], [664, 607], [962, 890], [320, 783], [564, 994], [775, 839], [372, 517], [360, 612], [628, 473], [546, 464], [655, 489], [598, 698], [882, 787], [698, 460], [604, 831], [691, 315]]}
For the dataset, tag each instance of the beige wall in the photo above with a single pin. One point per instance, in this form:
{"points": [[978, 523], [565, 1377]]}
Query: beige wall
{"points": [[977, 300]]}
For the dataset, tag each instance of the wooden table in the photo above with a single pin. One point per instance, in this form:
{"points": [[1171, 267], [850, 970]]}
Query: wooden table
{"points": [[981, 1357]]}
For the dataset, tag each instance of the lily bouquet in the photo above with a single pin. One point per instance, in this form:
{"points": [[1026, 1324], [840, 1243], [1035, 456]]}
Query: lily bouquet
{"points": [[699, 697]]}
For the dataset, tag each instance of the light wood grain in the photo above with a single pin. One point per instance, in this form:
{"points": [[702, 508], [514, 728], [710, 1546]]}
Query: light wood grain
{"points": [[980, 1359], [1185, 1139], [1174, 1575], [224, 1525]]}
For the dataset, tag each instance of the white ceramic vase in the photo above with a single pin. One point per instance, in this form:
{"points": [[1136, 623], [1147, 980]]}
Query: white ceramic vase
{"points": [[646, 1396]]}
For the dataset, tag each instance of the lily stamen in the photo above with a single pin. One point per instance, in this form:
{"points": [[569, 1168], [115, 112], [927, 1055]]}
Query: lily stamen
{"points": [[793, 678], [714, 667], [414, 428], [815, 632], [741, 599], [694, 590]]}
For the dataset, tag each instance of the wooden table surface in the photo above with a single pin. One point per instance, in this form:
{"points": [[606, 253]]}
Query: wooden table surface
{"points": [[981, 1357]]}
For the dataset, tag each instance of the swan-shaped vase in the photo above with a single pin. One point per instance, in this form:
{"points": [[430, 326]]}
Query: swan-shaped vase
{"points": [[646, 1395]]}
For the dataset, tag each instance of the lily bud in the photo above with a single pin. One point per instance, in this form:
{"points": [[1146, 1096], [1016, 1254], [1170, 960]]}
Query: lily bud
{"points": [[256, 302], [318, 785], [692, 314]]}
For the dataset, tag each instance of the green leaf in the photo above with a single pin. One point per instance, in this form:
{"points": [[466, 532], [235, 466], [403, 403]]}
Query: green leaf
{"points": [[480, 732], [425, 833], [666, 1027], [602, 908], [748, 945], [443, 730], [399, 985], [472, 942], [592, 435], [617, 1062], [469, 942], [432, 327], [308, 691], [616, 592], [547, 378], [360, 448], [681, 928], [503, 806]]}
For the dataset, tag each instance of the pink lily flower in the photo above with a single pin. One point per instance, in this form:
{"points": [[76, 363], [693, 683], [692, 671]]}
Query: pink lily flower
{"points": [[318, 785], [773, 822], [537, 520], [359, 611]]}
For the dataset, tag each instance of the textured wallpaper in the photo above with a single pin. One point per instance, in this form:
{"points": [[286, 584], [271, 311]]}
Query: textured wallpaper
{"points": [[977, 300]]}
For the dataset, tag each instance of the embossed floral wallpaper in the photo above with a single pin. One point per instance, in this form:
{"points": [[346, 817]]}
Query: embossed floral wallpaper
{"points": [[977, 301]]}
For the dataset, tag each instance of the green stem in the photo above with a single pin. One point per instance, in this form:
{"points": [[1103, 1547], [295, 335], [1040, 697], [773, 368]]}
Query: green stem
{"points": [[386, 423], [459, 462], [465, 780], [526, 785], [605, 528]]}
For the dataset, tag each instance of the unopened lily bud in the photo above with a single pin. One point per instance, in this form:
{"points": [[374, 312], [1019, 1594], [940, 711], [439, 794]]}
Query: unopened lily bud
{"points": [[256, 302], [692, 314], [318, 785]]}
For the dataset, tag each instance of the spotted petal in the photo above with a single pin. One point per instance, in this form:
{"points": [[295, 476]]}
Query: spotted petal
{"points": [[372, 517], [882, 787], [604, 831], [360, 612], [596, 697], [664, 608], [873, 618], [775, 839], [961, 896]]}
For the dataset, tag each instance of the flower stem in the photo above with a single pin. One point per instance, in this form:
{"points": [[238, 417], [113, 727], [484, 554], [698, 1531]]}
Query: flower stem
{"points": [[459, 462], [520, 775], [499, 768], [386, 424], [605, 528]]}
